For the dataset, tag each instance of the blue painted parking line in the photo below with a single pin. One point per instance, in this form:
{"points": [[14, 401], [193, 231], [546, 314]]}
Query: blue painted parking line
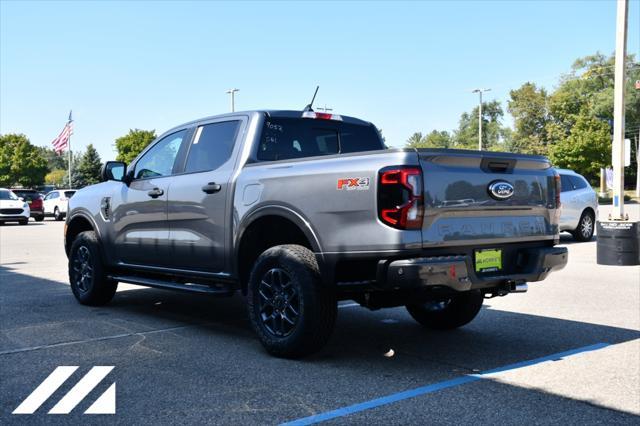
{"points": [[389, 399]]}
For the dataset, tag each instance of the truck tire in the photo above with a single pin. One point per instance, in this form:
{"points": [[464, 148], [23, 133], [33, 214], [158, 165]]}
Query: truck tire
{"points": [[586, 225], [87, 275], [448, 314], [289, 309]]}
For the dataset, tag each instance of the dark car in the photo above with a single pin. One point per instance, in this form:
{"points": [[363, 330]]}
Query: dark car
{"points": [[34, 199]]}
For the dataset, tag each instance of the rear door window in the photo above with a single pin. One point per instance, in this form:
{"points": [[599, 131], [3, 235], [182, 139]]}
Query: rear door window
{"points": [[212, 146]]}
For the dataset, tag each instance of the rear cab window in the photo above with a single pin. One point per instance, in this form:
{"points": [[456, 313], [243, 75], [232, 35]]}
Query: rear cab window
{"points": [[290, 138]]}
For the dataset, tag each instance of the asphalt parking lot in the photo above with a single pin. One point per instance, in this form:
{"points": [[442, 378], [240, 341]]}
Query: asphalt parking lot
{"points": [[568, 351]]}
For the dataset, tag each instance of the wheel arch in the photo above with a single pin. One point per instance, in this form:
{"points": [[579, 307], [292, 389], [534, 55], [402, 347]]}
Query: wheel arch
{"points": [[76, 224], [267, 227]]}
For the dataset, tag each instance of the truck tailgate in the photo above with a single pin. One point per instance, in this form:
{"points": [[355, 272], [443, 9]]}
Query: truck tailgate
{"points": [[460, 207]]}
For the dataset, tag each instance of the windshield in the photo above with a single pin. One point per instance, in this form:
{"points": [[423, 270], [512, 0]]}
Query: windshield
{"points": [[7, 195], [285, 138]]}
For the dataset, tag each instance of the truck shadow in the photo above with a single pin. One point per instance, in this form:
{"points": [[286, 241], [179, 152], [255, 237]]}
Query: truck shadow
{"points": [[360, 339], [167, 341]]}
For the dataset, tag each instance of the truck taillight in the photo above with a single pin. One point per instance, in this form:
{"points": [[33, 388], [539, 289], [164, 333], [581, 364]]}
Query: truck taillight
{"points": [[400, 202]]}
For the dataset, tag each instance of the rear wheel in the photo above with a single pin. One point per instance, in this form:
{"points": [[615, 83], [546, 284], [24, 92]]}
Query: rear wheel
{"points": [[289, 309], [87, 275], [447, 314], [56, 214], [584, 231]]}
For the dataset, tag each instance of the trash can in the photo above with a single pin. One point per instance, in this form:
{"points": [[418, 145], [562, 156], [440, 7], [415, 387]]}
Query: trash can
{"points": [[618, 243]]}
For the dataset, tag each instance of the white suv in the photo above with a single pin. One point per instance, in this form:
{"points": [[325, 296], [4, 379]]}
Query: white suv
{"points": [[579, 205], [55, 203]]}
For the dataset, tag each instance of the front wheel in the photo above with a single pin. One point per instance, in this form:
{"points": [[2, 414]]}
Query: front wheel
{"points": [[87, 275], [39, 218], [584, 231], [24, 222], [289, 309], [447, 314]]}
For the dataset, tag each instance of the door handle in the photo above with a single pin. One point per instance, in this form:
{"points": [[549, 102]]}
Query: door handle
{"points": [[155, 192], [211, 188]]}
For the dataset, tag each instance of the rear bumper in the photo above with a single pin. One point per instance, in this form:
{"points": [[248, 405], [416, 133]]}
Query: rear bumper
{"points": [[458, 273], [37, 212]]}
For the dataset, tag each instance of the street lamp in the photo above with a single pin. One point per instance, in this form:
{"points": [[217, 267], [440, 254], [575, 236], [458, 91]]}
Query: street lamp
{"points": [[232, 92], [479, 91]]}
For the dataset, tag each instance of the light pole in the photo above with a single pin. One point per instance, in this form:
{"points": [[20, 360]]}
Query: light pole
{"points": [[479, 91], [232, 92], [618, 110]]}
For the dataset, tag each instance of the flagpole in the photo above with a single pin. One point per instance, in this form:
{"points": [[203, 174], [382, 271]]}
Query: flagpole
{"points": [[69, 148]]}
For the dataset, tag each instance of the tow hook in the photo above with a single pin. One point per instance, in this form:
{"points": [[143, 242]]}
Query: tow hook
{"points": [[508, 288], [515, 287]]}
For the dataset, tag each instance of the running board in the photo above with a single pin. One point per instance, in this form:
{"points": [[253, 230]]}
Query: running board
{"points": [[218, 289]]}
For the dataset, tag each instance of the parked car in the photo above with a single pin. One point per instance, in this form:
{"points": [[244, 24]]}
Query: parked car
{"points": [[56, 201], [298, 209], [12, 208], [34, 199], [579, 205]]}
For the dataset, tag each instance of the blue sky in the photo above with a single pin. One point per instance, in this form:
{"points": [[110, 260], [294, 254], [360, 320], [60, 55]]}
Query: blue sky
{"points": [[404, 66]]}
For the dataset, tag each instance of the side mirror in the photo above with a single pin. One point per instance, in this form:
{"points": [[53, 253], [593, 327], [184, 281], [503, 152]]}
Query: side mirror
{"points": [[113, 170]]}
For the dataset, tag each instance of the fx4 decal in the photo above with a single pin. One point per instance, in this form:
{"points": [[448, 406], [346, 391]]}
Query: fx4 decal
{"points": [[358, 183]]}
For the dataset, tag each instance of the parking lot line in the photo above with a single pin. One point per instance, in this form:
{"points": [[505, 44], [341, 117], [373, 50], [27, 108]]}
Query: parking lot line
{"points": [[389, 399]]}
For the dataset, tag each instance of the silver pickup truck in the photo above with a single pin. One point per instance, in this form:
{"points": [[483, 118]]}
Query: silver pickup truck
{"points": [[298, 210]]}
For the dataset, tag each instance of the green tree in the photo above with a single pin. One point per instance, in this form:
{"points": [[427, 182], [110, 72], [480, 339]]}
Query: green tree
{"points": [[435, 139], [58, 178], [20, 162], [586, 94], [586, 149], [132, 144], [54, 160], [415, 140], [466, 136], [528, 106], [88, 168], [438, 139]]}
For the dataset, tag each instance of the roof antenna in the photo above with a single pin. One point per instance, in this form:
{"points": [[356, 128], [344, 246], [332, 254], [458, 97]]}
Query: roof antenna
{"points": [[309, 107]]}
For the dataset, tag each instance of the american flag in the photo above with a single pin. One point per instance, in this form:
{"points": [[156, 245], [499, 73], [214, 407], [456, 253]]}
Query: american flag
{"points": [[62, 141]]}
